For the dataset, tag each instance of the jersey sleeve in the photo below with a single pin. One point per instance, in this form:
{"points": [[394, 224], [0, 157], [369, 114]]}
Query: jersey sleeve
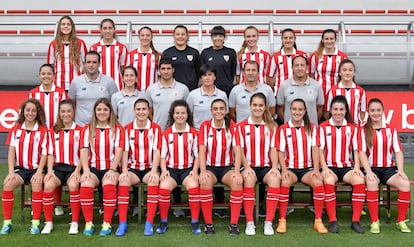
{"points": [[51, 53], [321, 134], [396, 144]]}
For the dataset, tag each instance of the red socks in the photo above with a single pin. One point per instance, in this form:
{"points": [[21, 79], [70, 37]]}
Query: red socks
{"points": [[358, 199], [48, 205], [318, 200], [74, 200], [86, 201], [194, 203], [206, 201], [37, 203], [164, 202], [152, 202], [283, 201], [403, 203], [7, 199], [123, 202], [272, 199], [372, 202], [109, 202], [248, 202], [330, 201], [236, 199]]}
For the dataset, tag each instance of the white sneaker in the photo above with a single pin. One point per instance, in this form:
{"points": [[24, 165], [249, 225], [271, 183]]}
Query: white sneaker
{"points": [[250, 229], [47, 229], [73, 229], [59, 211], [268, 228], [135, 211]]}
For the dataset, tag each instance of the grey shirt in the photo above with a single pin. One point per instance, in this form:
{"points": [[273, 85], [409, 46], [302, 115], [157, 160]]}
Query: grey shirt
{"points": [[123, 105]]}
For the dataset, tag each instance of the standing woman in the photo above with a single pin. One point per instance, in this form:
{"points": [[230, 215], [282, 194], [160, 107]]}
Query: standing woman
{"points": [[27, 156], [66, 52], [64, 166], [145, 59], [113, 53], [251, 51], [377, 144], [354, 94], [299, 162], [101, 145], [255, 141], [324, 62], [217, 165], [281, 61], [338, 144], [186, 59], [140, 164], [223, 59], [122, 101], [179, 164]]}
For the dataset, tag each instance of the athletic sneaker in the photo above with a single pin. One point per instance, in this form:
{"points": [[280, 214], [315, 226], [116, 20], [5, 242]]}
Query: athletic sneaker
{"points": [[48, 228], [221, 213], [148, 230], [59, 211], [178, 212], [319, 226], [268, 229], [281, 227], [333, 227], [135, 211], [375, 227], [403, 227], [162, 228], [122, 229], [89, 229], [262, 212], [35, 229], [74, 228], [234, 230], [250, 229], [101, 211], [7, 226], [289, 211], [209, 229], [106, 229], [195, 228], [357, 227]]}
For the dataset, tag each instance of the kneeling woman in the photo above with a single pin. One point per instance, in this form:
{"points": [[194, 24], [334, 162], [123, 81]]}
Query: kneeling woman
{"points": [[28, 151], [377, 143], [140, 163], [102, 143], [299, 161], [179, 164], [216, 165], [63, 166], [338, 139]]}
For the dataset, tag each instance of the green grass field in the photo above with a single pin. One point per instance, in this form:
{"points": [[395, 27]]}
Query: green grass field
{"points": [[300, 231]]}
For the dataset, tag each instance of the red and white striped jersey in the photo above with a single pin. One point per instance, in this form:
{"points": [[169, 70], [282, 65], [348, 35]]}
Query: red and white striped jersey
{"points": [[385, 142], [50, 102], [179, 149], [218, 142], [146, 65], [356, 97], [326, 68], [297, 145], [30, 145], [260, 56], [112, 58], [65, 69], [141, 143], [102, 149], [256, 141], [281, 65], [65, 145], [338, 143]]}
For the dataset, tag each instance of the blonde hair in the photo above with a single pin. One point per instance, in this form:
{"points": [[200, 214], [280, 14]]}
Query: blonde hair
{"points": [[267, 117], [113, 121], [244, 45]]}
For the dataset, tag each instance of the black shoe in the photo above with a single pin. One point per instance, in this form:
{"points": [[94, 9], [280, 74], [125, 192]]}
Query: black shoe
{"points": [[209, 229], [357, 227], [333, 227], [221, 213], [262, 212], [234, 230]]}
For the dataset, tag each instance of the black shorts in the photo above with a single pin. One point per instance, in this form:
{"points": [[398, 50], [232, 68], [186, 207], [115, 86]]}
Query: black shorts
{"points": [[98, 173], [179, 174], [25, 174], [219, 172], [340, 172], [139, 174], [384, 174], [261, 172], [300, 172], [63, 172]]}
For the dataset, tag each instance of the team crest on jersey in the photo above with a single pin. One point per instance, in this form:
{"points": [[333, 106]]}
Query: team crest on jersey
{"points": [[76, 137], [228, 136], [190, 58], [101, 89], [226, 58], [150, 137], [56, 98], [175, 94], [37, 139], [348, 133], [310, 91], [190, 141]]}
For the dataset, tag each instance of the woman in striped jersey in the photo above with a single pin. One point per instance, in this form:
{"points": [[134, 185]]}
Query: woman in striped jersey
{"points": [[255, 138], [296, 143], [66, 52], [140, 164], [113, 53], [377, 144], [28, 143], [145, 59], [216, 165], [101, 146], [339, 161], [64, 165], [179, 164], [251, 51]]}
